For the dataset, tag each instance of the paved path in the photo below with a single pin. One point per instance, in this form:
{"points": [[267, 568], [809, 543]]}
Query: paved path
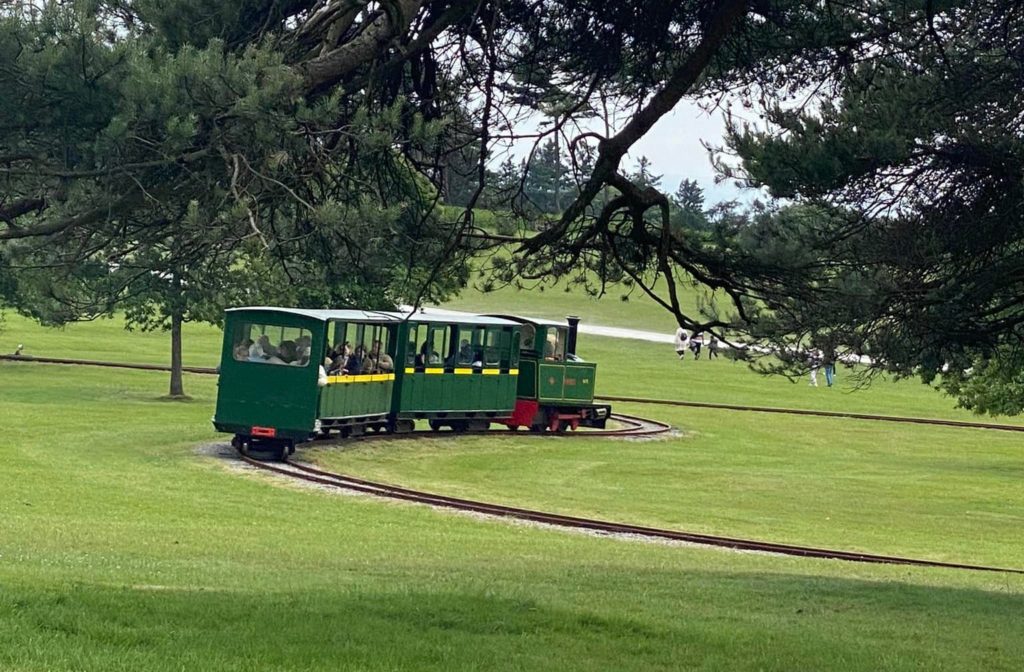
{"points": [[592, 329]]}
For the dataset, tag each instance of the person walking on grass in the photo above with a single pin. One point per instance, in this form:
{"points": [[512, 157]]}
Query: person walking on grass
{"points": [[814, 363], [829, 359], [681, 342], [696, 341], [713, 347]]}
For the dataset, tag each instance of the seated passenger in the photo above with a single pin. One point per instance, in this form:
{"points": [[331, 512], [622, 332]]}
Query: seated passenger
{"points": [[241, 352], [262, 348], [428, 355], [465, 352], [381, 359], [339, 358], [478, 359], [411, 358], [287, 352], [302, 346], [354, 363]]}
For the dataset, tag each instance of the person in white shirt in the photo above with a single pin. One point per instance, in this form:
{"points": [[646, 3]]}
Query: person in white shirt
{"points": [[682, 340]]}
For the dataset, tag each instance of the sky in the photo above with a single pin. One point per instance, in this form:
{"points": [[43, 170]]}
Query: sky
{"points": [[674, 148]]}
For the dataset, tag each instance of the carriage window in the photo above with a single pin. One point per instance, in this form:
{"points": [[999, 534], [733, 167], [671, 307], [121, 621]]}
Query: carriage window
{"points": [[554, 346], [417, 336], [272, 344], [465, 353], [514, 363], [479, 337], [436, 344], [528, 337], [492, 347]]}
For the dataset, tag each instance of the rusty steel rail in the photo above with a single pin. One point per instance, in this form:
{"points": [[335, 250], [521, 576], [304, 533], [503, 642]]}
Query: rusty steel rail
{"points": [[342, 481], [116, 365], [824, 414]]}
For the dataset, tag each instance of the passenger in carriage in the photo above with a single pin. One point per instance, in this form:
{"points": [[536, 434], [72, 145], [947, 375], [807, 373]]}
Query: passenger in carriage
{"points": [[338, 357], [262, 349], [302, 347], [381, 360], [465, 352], [428, 355], [354, 363], [285, 353]]}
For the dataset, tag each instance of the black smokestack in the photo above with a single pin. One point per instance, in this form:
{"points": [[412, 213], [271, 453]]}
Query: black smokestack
{"points": [[574, 325]]}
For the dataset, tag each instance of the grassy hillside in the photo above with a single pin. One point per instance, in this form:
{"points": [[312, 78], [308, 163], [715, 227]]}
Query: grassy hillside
{"points": [[620, 306]]}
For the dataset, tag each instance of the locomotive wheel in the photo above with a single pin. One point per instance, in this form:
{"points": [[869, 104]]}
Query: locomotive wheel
{"points": [[281, 452]]}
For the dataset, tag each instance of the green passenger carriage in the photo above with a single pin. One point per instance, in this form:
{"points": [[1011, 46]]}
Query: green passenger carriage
{"points": [[272, 388], [457, 370]]}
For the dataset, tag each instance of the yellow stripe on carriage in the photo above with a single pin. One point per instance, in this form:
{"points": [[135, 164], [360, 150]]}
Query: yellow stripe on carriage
{"points": [[434, 370], [513, 372], [463, 371], [410, 369], [492, 372], [362, 378]]}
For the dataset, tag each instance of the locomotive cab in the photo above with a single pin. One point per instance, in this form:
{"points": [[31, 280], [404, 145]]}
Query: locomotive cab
{"points": [[556, 387]]}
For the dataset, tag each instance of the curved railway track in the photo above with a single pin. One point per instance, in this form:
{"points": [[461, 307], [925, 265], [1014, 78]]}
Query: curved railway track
{"points": [[341, 481], [634, 426]]}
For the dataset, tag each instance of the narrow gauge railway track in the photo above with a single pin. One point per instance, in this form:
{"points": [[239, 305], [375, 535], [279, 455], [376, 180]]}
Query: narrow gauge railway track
{"points": [[311, 474], [825, 414], [630, 400]]}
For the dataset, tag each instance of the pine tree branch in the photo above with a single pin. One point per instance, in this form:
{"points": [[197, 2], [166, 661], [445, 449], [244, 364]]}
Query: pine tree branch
{"points": [[334, 66], [611, 150]]}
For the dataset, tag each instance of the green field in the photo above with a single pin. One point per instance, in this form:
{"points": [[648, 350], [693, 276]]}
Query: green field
{"points": [[124, 547]]}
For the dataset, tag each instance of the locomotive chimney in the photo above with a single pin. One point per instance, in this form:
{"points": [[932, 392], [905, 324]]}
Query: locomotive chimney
{"points": [[574, 325]]}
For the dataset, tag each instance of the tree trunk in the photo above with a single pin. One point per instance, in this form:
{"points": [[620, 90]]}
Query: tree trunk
{"points": [[177, 384]]}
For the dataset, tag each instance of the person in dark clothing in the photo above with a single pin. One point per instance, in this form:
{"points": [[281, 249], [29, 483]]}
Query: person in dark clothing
{"points": [[696, 341]]}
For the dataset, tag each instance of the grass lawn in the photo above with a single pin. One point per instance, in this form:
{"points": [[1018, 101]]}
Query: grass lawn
{"points": [[122, 549], [939, 493]]}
